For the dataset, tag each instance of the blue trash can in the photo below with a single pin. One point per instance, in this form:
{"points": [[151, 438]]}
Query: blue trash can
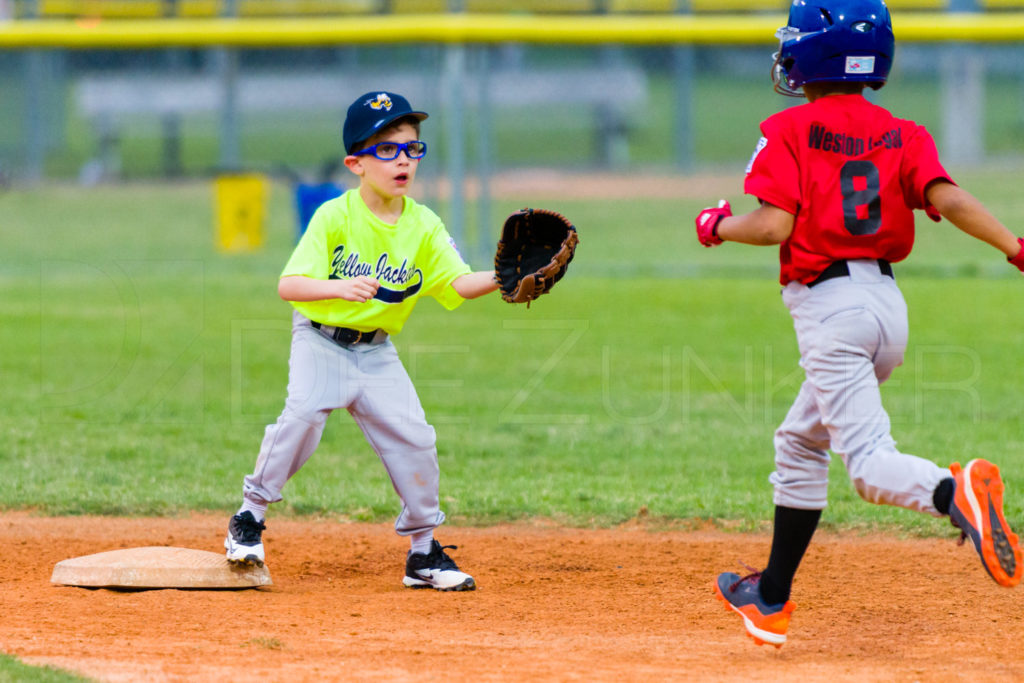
{"points": [[309, 197]]}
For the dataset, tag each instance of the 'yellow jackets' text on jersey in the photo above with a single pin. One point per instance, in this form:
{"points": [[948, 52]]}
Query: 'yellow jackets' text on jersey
{"points": [[412, 258]]}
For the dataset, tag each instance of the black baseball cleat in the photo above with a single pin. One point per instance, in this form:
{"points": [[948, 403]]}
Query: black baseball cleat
{"points": [[436, 570], [245, 540]]}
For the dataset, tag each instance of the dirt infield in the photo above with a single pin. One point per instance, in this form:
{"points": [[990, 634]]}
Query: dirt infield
{"points": [[554, 604]]}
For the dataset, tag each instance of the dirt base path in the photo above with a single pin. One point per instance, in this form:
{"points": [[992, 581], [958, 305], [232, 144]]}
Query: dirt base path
{"points": [[554, 604]]}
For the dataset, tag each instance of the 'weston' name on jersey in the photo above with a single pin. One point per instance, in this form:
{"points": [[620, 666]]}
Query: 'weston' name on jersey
{"points": [[849, 145]]}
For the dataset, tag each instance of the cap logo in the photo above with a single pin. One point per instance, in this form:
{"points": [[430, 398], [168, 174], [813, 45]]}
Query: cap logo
{"points": [[382, 102], [860, 65]]}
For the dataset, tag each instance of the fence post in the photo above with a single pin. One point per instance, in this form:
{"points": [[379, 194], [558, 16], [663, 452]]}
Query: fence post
{"points": [[226, 60], [484, 142], [170, 124], [683, 60], [34, 110], [963, 97], [453, 82], [611, 136]]}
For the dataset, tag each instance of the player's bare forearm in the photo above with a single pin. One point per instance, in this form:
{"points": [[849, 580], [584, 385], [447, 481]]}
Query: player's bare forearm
{"points": [[763, 226], [301, 288], [967, 213], [476, 284]]}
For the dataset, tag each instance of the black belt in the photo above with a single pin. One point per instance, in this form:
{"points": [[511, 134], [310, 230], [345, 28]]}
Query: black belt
{"points": [[842, 269], [345, 335]]}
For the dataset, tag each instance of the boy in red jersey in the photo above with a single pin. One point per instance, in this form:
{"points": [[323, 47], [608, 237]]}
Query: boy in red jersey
{"points": [[838, 180]]}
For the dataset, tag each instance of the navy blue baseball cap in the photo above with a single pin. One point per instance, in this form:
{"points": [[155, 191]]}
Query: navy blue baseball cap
{"points": [[371, 112]]}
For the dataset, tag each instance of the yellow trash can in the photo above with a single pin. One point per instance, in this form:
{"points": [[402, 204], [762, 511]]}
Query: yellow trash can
{"points": [[241, 211]]}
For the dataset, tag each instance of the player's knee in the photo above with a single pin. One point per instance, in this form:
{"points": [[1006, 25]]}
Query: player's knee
{"points": [[867, 492], [864, 488], [305, 414], [408, 437], [423, 438], [388, 438]]}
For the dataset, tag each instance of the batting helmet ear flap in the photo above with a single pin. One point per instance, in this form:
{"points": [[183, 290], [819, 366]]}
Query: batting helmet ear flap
{"points": [[780, 69]]}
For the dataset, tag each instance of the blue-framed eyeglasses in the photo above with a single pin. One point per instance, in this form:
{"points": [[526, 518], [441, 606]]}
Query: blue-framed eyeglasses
{"points": [[387, 151]]}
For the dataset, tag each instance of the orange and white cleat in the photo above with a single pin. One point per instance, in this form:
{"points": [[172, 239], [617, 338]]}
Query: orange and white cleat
{"points": [[977, 510], [766, 624]]}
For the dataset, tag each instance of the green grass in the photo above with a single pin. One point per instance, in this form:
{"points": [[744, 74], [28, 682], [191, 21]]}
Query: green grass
{"points": [[141, 367], [11, 671]]}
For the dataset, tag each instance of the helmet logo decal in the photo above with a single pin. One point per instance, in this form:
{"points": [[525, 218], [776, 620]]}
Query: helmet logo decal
{"points": [[382, 102], [860, 65]]}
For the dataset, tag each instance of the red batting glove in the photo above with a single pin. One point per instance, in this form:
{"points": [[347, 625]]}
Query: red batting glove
{"points": [[707, 223], [1018, 260]]}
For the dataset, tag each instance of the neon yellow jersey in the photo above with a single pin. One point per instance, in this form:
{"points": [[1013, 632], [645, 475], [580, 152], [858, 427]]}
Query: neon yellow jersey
{"points": [[412, 258]]}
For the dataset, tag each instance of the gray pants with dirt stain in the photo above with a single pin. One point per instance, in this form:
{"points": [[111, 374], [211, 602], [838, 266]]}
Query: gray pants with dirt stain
{"points": [[369, 381]]}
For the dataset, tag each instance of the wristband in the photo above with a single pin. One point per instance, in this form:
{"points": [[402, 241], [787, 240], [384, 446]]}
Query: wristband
{"points": [[707, 223], [1018, 260]]}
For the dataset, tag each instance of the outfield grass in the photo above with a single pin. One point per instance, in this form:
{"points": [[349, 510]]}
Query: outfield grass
{"points": [[141, 367]]}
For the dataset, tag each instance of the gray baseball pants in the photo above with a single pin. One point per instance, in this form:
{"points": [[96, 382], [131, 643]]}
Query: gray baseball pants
{"points": [[369, 381], [852, 333]]}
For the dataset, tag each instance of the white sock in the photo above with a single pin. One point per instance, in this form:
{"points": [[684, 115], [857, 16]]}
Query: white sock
{"points": [[258, 510], [422, 541]]}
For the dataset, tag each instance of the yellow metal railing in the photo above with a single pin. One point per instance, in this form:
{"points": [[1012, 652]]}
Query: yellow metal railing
{"points": [[137, 9], [471, 28]]}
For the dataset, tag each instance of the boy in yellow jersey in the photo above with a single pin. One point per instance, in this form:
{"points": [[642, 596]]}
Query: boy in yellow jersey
{"points": [[364, 261]]}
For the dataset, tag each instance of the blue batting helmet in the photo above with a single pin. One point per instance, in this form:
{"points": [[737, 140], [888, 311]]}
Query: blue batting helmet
{"points": [[833, 40]]}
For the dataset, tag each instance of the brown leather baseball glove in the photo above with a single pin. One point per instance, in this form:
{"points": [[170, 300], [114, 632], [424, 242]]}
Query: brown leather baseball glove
{"points": [[533, 253]]}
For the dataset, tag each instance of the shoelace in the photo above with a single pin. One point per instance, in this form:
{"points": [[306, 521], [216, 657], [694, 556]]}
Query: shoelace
{"points": [[754, 575], [249, 532], [446, 562]]}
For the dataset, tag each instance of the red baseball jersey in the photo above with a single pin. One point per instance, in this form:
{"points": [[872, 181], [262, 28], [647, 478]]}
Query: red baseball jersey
{"points": [[851, 173]]}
